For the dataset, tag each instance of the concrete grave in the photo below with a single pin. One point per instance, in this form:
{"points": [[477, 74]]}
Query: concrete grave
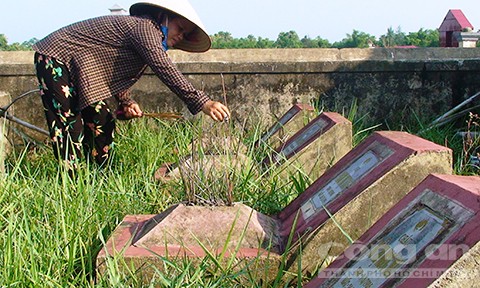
{"points": [[216, 151], [314, 148], [293, 120], [194, 232], [367, 177], [357, 191], [189, 168], [428, 239]]}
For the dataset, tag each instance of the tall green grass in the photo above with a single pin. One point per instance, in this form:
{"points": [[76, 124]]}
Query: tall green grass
{"points": [[52, 226]]}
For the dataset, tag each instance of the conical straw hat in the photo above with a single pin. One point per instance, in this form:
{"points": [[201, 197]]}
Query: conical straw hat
{"points": [[197, 41]]}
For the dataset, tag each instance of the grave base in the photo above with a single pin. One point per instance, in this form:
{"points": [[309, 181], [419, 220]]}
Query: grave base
{"points": [[465, 273], [194, 233]]}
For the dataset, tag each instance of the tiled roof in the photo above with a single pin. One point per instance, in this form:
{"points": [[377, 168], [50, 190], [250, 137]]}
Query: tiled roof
{"points": [[455, 21]]}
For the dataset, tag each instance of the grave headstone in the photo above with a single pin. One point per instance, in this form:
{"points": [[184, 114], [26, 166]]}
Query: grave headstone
{"points": [[345, 201], [428, 239], [288, 124], [314, 148]]}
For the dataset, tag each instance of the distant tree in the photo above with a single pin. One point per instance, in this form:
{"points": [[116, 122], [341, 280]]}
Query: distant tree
{"points": [[322, 43], [18, 47], [3, 42], [288, 40], [356, 40], [30, 43], [308, 43], [424, 38], [265, 43], [25, 46], [222, 40], [249, 42], [393, 38], [315, 43]]}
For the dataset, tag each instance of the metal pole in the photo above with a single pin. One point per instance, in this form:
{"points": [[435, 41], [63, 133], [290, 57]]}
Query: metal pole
{"points": [[23, 123], [455, 108]]}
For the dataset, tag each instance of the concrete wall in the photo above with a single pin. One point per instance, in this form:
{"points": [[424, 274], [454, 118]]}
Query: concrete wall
{"points": [[388, 85]]}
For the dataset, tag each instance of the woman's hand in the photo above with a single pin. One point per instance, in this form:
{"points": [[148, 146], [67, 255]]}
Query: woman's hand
{"points": [[126, 112], [216, 110]]}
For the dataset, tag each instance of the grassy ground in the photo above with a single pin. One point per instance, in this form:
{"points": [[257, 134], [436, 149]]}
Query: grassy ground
{"points": [[52, 226]]}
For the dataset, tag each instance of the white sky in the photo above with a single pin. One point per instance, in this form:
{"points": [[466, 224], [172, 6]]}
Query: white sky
{"points": [[22, 20]]}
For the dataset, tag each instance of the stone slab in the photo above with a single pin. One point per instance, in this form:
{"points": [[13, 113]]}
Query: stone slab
{"points": [[314, 148], [357, 191], [286, 126], [195, 232], [425, 240]]}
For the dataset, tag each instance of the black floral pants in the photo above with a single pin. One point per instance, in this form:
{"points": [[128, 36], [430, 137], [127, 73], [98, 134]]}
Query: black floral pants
{"points": [[70, 129]]}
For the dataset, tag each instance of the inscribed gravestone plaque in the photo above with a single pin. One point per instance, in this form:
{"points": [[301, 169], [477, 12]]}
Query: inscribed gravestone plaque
{"points": [[414, 243]]}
